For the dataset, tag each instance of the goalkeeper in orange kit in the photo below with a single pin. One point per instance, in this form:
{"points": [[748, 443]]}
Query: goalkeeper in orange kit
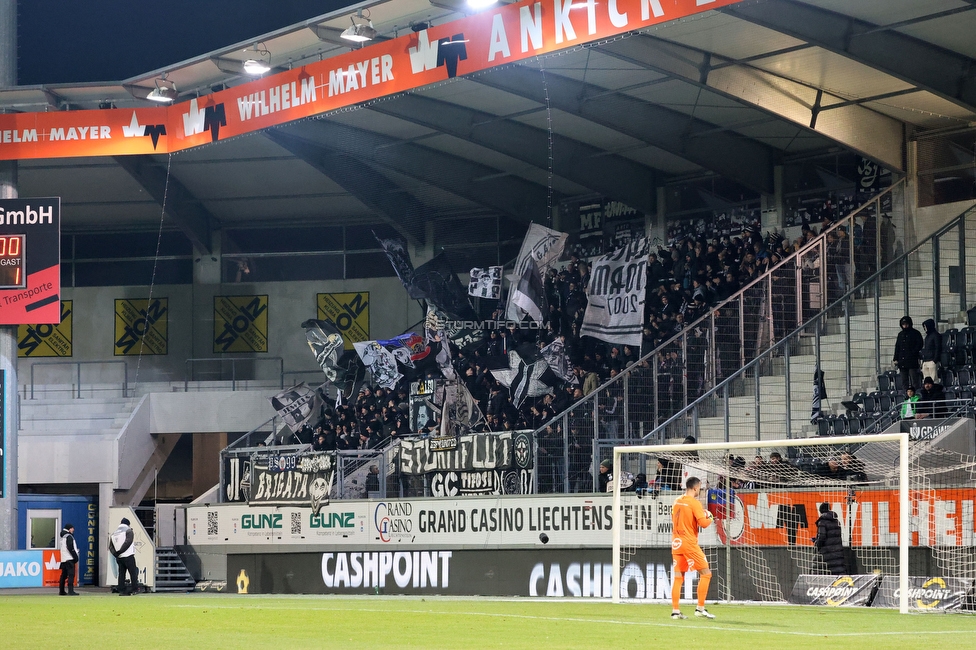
{"points": [[687, 515]]}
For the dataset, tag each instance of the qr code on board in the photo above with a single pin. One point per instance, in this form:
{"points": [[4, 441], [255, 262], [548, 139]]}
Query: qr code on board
{"points": [[212, 522], [296, 523]]}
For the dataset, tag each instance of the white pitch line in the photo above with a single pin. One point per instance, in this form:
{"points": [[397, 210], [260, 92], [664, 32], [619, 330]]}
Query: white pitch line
{"points": [[716, 628]]}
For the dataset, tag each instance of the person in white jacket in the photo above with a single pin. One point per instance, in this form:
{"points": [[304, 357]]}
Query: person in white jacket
{"points": [[69, 559], [120, 546]]}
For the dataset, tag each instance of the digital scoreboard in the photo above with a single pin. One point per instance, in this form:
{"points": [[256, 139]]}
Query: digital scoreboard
{"points": [[12, 266], [30, 261]]}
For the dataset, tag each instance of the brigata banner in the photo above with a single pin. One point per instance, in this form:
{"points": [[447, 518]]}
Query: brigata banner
{"points": [[834, 591], [494, 37], [292, 479], [925, 593]]}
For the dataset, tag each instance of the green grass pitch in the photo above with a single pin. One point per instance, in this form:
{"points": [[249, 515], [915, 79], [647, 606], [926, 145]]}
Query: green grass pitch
{"points": [[287, 622]]}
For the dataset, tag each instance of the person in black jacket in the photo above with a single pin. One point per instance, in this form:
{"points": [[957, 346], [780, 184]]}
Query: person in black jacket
{"points": [[69, 559], [931, 402], [829, 541], [931, 350], [908, 346]]}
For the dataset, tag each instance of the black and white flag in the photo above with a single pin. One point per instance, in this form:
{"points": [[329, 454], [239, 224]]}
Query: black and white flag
{"points": [[443, 358], [558, 360], [819, 395], [436, 282], [396, 252], [380, 362], [529, 294], [543, 247], [523, 380], [297, 405], [327, 346], [341, 367], [486, 283], [460, 411], [615, 311], [465, 338]]}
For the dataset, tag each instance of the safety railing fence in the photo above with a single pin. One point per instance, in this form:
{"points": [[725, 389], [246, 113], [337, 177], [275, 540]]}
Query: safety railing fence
{"points": [[733, 333], [78, 379], [264, 433], [242, 373], [369, 474], [852, 343]]}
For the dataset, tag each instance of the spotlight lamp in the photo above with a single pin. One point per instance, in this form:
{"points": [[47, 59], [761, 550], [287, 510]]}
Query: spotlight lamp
{"points": [[164, 93], [258, 61], [359, 32]]}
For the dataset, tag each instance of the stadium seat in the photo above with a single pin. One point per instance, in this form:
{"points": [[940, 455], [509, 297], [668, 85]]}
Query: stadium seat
{"points": [[840, 425], [823, 427], [884, 403], [867, 421], [884, 382], [962, 357], [870, 403], [969, 337], [954, 338], [832, 425], [949, 377], [854, 424], [965, 377]]}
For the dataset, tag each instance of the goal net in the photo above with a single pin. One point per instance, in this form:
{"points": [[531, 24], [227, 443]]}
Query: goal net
{"points": [[766, 498]]}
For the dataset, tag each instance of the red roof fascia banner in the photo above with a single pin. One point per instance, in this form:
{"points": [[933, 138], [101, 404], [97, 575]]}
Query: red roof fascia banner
{"points": [[485, 40]]}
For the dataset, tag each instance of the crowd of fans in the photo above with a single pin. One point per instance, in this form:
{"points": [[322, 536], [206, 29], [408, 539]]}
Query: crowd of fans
{"points": [[686, 279]]}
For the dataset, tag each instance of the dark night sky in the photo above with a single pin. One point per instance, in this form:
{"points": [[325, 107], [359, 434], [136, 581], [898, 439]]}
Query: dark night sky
{"points": [[61, 41]]}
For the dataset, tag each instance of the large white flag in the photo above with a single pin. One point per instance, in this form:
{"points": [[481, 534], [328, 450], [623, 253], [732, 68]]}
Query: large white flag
{"points": [[544, 247], [618, 283], [380, 362], [486, 283]]}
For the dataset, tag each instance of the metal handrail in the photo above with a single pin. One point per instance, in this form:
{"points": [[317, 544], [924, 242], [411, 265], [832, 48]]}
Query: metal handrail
{"points": [[78, 364], [187, 372], [739, 295], [815, 321]]}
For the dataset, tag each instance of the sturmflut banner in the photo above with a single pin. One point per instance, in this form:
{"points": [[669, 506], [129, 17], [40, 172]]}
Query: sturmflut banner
{"points": [[615, 311], [472, 452]]}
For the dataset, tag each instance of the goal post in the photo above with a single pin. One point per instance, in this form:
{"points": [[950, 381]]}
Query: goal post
{"points": [[781, 483]]}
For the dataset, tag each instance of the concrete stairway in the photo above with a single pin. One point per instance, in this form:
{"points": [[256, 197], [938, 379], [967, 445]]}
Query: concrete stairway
{"points": [[773, 382], [171, 573]]}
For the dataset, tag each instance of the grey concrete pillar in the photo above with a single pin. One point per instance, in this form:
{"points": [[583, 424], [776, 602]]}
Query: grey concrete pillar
{"points": [[8, 334]]}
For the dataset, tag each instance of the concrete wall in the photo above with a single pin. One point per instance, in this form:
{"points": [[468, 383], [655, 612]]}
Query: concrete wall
{"points": [[209, 412], [191, 328], [930, 219]]}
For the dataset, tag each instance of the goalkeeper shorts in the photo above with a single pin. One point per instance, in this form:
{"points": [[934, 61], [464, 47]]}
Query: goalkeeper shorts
{"points": [[690, 560]]}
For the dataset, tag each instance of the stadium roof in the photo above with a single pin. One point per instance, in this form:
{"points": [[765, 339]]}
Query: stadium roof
{"points": [[729, 92]]}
